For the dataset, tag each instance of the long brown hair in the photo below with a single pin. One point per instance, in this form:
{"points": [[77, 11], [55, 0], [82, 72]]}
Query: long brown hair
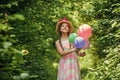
{"points": [[61, 35]]}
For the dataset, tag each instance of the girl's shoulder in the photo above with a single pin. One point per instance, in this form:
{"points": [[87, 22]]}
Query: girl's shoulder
{"points": [[57, 41]]}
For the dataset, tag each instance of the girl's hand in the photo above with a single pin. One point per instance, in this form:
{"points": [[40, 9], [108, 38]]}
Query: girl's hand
{"points": [[82, 54], [74, 49]]}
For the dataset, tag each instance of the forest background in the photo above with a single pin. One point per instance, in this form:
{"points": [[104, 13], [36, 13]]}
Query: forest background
{"points": [[27, 38]]}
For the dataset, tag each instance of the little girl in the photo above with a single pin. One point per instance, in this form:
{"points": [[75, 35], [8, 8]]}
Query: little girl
{"points": [[68, 66]]}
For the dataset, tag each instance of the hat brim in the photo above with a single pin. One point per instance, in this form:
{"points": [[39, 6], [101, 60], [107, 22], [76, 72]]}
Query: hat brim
{"points": [[64, 21]]}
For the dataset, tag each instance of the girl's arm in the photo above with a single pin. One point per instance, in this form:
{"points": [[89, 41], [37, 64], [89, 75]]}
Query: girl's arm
{"points": [[61, 51]]}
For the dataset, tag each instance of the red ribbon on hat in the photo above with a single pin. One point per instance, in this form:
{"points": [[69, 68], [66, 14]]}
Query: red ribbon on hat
{"points": [[63, 19]]}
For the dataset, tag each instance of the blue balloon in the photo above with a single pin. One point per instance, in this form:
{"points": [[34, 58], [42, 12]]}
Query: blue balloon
{"points": [[79, 42]]}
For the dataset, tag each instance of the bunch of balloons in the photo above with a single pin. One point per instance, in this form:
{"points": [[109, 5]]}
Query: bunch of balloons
{"points": [[80, 40]]}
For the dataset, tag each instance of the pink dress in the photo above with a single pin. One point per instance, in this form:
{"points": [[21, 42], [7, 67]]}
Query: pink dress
{"points": [[68, 68]]}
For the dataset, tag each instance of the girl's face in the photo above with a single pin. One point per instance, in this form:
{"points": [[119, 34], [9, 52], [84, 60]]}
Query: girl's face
{"points": [[64, 28]]}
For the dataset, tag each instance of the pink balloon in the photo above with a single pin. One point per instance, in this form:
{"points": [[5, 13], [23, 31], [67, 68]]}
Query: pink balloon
{"points": [[87, 44], [84, 31]]}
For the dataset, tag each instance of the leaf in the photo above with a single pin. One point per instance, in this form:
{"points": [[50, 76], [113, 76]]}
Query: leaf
{"points": [[24, 75], [11, 17], [19, 17], [3, 27], [106, 62], [16, 77], [114, 24], [12, 35], [9, 5], [7, 44]]}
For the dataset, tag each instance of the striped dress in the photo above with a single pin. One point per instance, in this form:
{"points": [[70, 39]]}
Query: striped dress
{"points": [[68, 68]]}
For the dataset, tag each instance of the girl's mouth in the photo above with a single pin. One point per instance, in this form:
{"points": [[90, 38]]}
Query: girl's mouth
{"points": [[64, 29]]}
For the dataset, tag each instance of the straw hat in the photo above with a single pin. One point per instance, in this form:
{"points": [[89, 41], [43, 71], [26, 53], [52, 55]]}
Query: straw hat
{"points": [[63, 20]]}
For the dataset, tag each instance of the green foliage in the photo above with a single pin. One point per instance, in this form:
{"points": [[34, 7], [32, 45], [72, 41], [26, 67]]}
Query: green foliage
{"points": [[106, 41], [28, 26], [11, 58]]}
